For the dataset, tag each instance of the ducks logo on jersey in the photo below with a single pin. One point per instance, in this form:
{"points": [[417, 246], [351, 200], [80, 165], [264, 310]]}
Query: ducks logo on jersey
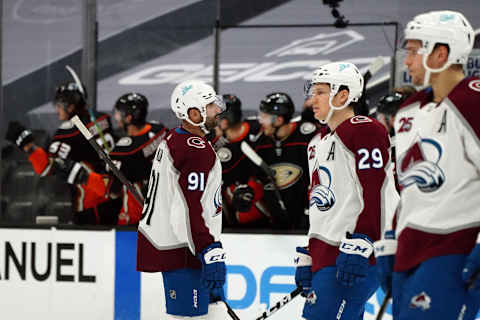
{"points": [[419, 166], [286, 174]]}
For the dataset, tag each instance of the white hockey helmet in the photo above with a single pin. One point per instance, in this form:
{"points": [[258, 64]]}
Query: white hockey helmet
{"points": [[192, 94], [338, 74], [447, 27]]}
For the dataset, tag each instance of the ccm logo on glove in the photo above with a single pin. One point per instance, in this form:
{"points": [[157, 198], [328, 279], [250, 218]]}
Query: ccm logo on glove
{"points": [[356, 246], [215, 255]]}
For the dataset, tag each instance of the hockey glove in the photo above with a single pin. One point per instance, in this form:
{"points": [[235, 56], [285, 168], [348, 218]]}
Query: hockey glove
{"points": [[352, 262], [18, 134], [303, 270], [213, 268], [385, 254], [471, 270], [242, 197], [73, 172]]}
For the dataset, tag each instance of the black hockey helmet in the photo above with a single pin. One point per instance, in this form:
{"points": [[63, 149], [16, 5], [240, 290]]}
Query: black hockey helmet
{"points": [[278, 104], [134, 104], [233, 109], [69, 93], [389, 104]]}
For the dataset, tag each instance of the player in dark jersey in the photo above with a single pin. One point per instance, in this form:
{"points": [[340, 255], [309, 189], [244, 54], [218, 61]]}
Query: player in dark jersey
{"points": [[134, 153], [283, 146], [388, 105], [242, 192], [70, 155], [385, 111]]}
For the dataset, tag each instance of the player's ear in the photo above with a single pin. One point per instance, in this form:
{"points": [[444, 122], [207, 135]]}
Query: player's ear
{"points": [[342, 97], [194, 115], [279, 120], [223, 124], [128, 119], [70, 108], [441, 53]]}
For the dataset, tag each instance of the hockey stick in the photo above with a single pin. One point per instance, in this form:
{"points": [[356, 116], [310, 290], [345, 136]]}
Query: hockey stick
{"points": [[230, 311], [383, 307], [252, 155], [92, 116], [373, 68], [78, 123], [280, 304]]}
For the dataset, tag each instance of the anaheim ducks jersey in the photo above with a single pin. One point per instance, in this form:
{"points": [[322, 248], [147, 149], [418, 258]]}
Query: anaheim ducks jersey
{"points": [[438, 163], [352, 186], [69, 143], [182, 213], [236, 168], [134, 155], [288, 158]]}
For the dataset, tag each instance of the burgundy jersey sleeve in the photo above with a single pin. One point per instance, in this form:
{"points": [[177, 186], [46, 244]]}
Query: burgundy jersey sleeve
{"points": [[368, 141], [464, 101], [194, 158]]}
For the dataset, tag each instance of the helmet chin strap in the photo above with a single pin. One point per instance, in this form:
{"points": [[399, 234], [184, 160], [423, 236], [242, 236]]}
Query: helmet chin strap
{"points": [[429, 71], [200, 124], [333, 108]]}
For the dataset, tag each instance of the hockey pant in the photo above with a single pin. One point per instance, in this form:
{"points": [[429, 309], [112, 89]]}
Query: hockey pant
{"points": [[329, 299], [186, 298], [433, 290]]}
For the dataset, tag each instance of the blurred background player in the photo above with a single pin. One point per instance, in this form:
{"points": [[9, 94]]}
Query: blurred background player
{"points": [[438, 160], [242, 192], [385, 111], [179, 233], [134, 153], [388, 105], [352, 192], [71, 156], [283, 146], [307, 109]]}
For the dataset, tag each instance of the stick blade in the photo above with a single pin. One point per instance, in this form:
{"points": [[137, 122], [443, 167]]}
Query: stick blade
{"points": [[376, 65], [76, 79], [78, 123], [250, 153]]}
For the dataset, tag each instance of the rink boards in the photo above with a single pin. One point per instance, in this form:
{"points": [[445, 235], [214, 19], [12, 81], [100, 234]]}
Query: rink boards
{"points": [[91, 275]]}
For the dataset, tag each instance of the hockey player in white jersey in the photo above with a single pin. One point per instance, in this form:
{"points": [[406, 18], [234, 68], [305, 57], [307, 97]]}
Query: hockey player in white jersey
{"points": [[179, 233], [436, 256], [352, 194]]}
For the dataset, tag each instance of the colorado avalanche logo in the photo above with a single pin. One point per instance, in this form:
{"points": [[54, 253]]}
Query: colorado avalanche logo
{"points": [[419, 165], [321, 195], [217, 201], [421, 301]]}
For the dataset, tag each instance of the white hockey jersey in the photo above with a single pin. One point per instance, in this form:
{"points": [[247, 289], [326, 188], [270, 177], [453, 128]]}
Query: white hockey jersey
{"points": [[182, 211], [352, 186], [438, 163]]}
